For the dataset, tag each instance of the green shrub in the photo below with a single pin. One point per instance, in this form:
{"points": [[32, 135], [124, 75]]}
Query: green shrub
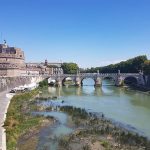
{"points": [[43, 83]]}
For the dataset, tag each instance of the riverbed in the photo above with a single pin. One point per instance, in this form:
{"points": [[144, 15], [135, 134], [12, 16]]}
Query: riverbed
{"points": [[128, 107]]}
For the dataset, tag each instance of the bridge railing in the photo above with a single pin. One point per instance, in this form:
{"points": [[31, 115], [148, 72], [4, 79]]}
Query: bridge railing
{"points": [[90, 74], [82, 75]]}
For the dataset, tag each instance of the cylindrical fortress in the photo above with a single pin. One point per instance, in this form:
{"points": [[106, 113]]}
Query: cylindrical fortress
{"points": [[12, 61]]}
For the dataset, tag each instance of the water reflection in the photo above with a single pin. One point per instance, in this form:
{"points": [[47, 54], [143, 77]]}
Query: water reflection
{"points": [[79, 91], [98, 91], [85, 90]]}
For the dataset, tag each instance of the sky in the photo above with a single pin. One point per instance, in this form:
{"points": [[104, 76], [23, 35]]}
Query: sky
{"points": [[88, 32]]}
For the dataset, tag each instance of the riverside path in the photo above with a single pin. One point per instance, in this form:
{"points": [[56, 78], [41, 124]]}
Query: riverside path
{"points": [[4, 103]]}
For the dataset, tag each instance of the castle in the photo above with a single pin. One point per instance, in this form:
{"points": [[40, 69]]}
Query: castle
{"points": [[12, 63]]}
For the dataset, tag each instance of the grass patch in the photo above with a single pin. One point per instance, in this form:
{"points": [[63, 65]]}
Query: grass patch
{"points": [[18, 119], [75, 112]]}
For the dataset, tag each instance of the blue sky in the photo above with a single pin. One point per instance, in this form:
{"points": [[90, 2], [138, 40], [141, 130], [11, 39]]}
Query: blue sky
{"points": [[88, 32]]}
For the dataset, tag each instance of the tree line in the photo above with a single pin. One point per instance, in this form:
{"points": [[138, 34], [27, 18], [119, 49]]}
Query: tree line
{"points": [[133, 65]]}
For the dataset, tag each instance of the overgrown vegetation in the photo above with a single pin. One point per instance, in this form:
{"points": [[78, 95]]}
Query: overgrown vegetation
{"points": [[77, 114], [43, 83], [18, 119], [92, 126]]}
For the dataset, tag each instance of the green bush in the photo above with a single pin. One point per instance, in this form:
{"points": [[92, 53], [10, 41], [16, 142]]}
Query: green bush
{"points": [[43, 83]]}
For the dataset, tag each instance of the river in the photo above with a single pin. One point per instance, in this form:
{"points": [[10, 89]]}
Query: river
{"points": [[129, 107]]}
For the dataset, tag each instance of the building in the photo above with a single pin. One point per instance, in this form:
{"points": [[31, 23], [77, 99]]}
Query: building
{"points": [[44, 68], [12, 61]]}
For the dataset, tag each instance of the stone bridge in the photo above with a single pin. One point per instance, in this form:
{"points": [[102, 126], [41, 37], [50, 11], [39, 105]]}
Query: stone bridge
{"points": [[118, 78]]}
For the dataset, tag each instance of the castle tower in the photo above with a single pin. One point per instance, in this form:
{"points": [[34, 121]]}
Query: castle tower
{"points": [[11, 60]]}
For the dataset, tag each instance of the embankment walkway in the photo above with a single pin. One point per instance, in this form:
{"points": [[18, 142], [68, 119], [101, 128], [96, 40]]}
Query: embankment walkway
{"points": [[4, 103]]}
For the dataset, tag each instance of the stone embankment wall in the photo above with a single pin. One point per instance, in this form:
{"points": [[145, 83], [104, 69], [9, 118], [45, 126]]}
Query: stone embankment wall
{"points": [[11, 82]]}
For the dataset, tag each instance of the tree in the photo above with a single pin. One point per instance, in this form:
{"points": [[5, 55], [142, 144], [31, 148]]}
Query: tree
{"points": [[70, 68], [146, 67]]}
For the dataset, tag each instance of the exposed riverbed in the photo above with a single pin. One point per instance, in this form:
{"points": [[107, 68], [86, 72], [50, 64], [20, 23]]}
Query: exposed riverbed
{"points": [[128, 108]]}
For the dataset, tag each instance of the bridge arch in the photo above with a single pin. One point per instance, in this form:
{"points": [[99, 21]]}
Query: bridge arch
{"points": [[109, 77], [130, 80], [51, 81], [84, 78], [69, 79]]}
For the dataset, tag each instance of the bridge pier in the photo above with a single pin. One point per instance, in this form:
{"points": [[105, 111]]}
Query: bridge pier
{"points": [[77, 81], [119, 81], [98, 82], [141, 79], [58, 82]]}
